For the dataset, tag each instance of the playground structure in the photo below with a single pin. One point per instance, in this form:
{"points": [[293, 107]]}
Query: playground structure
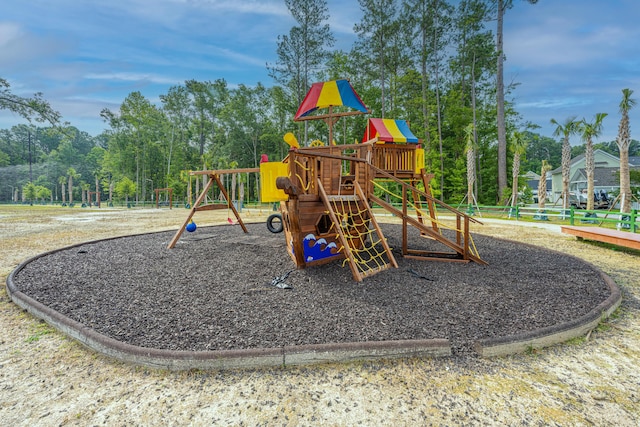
{"points": [[326, 192]]}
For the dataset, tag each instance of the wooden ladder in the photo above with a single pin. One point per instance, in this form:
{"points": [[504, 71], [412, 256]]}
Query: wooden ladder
{"points": [[365, 248]]}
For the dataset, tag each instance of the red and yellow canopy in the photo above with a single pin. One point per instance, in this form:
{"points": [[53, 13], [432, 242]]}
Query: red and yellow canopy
{"points": [[330, 94], [389, 130]]}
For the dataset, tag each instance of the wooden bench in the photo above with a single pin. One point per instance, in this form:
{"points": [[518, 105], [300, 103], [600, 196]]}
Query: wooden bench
{"points": [[606, 235]]}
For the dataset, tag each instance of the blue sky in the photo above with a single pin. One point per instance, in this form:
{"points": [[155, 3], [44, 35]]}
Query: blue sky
{"points": [[570, 57]]}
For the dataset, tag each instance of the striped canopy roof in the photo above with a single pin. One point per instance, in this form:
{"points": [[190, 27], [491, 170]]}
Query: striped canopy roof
{"points": [[330, 94], [389, 130]]}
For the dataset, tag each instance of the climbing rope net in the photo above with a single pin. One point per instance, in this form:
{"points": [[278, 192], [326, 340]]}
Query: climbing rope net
{"points": [[364, 241]]}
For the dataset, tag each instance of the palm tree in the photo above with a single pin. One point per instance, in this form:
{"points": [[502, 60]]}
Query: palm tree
{"points": [[469, 133], [568, 128], [589, 131], [519, 144], [71, 172], [542, 185], [623, 141], [62, 181], [85, 186]]}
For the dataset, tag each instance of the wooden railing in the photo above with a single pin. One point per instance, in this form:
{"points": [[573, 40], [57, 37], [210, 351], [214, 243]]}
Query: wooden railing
{"points": [[461, 243], [395, 159], [333, 164], [330, 165]]}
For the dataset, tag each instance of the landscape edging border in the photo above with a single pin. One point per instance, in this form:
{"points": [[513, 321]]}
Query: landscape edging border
{"points": [[554, 334], [305, 354]]}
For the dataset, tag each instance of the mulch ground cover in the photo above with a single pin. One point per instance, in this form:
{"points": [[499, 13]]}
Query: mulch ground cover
{"points": [[214, 291]]}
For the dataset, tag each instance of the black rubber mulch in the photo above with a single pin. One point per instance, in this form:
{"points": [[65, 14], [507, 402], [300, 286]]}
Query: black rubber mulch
{"points": [[213, 291]]}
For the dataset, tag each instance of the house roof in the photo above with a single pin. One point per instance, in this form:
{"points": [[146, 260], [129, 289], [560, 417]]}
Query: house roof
{"points": [[581, 156], [634, 160], [602, 177], [531, 175], [533, 179], [533, 184]]}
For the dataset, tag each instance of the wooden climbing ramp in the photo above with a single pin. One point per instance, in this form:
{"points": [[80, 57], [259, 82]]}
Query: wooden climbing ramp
{"points": [[412, 200]]}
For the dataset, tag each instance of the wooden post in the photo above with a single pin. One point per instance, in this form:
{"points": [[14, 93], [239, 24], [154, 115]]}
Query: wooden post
{"points": [[426, 178], [213, 177], [466, 238], [193, 210], [404, 221]]}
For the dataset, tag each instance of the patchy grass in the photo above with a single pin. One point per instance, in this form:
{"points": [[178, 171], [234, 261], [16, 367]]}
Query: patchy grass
{"points": [[41, 329], [612, 247]]}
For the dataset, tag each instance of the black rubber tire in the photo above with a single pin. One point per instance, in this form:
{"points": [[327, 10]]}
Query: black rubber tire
{"points": [[275, 228]]}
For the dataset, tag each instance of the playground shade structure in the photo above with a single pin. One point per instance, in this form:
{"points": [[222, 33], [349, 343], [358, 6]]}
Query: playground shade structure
{"points": [[330, 94], [389, 130]]}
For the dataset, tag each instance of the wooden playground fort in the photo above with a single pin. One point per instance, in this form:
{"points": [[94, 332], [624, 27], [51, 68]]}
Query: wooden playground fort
{"points": [[326, 192]]}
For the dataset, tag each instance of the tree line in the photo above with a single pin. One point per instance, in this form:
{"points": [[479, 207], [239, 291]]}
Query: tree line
{"points": [[435, 63]]}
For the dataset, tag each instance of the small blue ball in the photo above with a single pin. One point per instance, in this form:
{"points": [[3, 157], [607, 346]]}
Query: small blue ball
{"points": [[191, 227]]}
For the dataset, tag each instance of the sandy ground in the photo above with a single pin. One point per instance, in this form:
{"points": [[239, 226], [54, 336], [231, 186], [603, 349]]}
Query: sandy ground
{"points": [[47, 379]]}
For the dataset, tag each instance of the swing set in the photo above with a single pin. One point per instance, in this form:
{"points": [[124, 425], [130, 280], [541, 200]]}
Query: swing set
{"points": [[201, 205]]}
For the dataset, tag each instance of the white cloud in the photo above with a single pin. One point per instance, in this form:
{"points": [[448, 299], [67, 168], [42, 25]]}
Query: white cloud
{"points": [[562, 102], [228, 54], [19, 47], [262, 7], [570, 33], [86, 108], [8, 31], [174, 13], [133, 77], [528, 49]]}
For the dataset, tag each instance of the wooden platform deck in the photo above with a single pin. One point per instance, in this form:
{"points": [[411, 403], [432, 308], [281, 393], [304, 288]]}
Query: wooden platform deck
{"points": [[606, 235]]}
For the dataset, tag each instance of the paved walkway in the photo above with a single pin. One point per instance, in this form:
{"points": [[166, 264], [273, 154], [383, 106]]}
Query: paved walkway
{"points": [[541, 224]]}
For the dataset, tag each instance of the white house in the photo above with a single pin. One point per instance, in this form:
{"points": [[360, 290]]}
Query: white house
{"points": [[607, 168]]}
